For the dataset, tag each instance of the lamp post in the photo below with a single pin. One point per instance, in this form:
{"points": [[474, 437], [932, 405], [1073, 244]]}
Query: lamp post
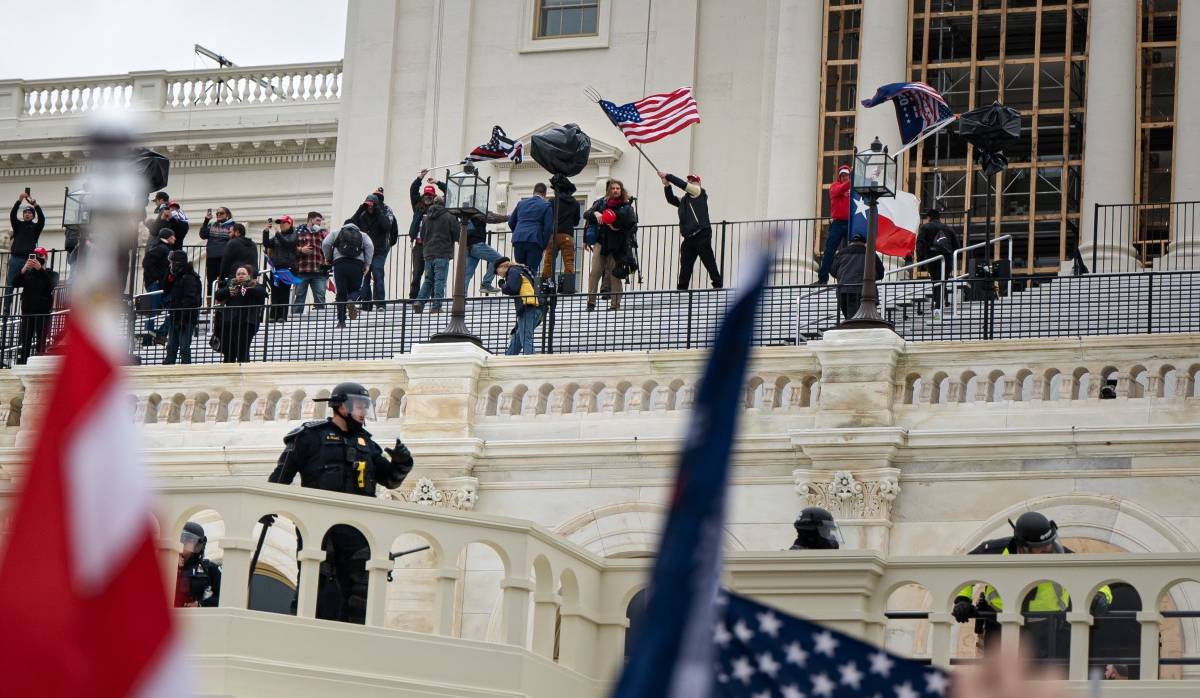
{"points": [[466, 197], [874, 178]]}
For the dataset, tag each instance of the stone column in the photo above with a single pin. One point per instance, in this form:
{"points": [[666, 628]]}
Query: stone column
{"points": [[882, 59], [545, 613], [577, 640], [377, 571], [857, 368], [168, 556], [1150, 638], [610, 644], [235, 571], [1010, 630], [792, 186], [1110, 131], [941, 625], [516, 592], [1081, 626], [447, 580], [1185, 244], [442, 390], [310, 575]]}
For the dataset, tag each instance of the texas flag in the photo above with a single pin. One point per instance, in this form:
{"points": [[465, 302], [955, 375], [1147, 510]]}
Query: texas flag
{"points": [[899, 217]]}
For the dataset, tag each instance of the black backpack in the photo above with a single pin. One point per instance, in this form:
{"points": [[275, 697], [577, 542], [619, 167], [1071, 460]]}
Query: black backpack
{"points": [[349, 242]]}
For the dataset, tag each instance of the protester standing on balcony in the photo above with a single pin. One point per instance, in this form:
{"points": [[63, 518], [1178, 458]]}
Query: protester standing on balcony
{"points": [[935, 239], [694, 227], [184, 295], [216, 237], [478, 250], [37, 281], [311, 269], [611, 228], [244, 300], [350, 251], [421, 197], [439, 232], [839, 213], [26, 230], [280, 250], [378, 221], [155, 267], [338, 454], [240, 251], [1045, 633], [848, 270], [567, 214], [531, 223], [198, 582]]}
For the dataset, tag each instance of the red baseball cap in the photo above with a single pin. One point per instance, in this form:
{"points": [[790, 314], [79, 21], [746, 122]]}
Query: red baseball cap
{"points": [[429, 190], [42, 252], [694, 178], [172, 204], [285, 219], [843, 169]]}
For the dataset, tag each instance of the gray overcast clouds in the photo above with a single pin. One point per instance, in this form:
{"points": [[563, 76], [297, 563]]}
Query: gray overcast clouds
{"points": [[70, 38]]}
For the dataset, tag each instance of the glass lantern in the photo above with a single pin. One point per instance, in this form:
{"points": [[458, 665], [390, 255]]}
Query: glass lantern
{"points": [[75, 212], [467, 193], [875, 172]]}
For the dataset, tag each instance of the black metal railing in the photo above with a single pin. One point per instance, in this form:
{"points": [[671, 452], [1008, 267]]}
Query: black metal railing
{"points": [[1151, 232]]}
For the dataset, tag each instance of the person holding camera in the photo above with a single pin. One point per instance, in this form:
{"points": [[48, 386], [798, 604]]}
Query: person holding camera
{"points": [[518, 282], [38, 282], [184, 294], [610, 237], [281, 255], [244, 299], [421, 194], [311, 269], [26, 229], [198, 582], [338, 454], [215, 233]]}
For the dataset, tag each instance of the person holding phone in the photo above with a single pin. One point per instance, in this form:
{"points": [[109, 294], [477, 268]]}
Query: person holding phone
{"points": [[38, 281], [27, 222]]}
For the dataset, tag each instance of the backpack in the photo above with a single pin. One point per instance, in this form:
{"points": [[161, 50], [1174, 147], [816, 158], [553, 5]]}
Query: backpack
{"points": [[528, 295], [349, 242], [943, 241]]}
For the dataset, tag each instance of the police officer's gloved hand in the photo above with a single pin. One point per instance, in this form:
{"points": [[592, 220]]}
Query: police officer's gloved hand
{"points": [[1100, 605], [399, 453], [963, 610]]}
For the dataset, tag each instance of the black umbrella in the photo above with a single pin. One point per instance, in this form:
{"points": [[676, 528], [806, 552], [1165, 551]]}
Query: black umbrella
{"points": [[152, 166], [990, 129], [562, 150]]}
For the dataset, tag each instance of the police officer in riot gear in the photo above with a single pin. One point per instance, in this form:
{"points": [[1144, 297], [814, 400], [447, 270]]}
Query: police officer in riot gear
{"points": [[199, 580], [338, 455], [1045, 607], [816, 530]]}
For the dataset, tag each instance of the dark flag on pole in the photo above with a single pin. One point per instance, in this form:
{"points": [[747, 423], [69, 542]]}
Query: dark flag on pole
{"points": [[920, 109], [500, 146]]}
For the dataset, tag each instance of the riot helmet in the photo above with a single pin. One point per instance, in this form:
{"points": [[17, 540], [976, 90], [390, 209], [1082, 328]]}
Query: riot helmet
{"points": [[193, 539], [1034, 533], [360, 407], [816, 529]]}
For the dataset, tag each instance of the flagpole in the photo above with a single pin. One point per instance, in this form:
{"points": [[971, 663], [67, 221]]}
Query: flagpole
{"points": [[934, 129], [595, 97]]}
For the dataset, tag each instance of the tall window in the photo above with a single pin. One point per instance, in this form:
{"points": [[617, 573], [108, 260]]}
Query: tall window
{"points": [[1030, 55], [839, 91], [559, 18], [1158, 45]]}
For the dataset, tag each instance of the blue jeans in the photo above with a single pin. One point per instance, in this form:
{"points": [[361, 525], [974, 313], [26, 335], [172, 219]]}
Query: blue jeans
{"points": [[373, 283], [481, 252], [522, 340], [318, 284], [179, 342], [837, 238], [154, 304], [434, 284], [529, 254]]}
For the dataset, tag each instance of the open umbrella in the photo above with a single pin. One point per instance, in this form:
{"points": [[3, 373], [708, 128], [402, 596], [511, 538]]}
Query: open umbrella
{"points": [[990, 129], [152, 166]]}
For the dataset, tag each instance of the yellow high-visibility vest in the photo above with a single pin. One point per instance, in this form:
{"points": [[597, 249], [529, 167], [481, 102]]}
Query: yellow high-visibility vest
{"points": [[1047, 596]]}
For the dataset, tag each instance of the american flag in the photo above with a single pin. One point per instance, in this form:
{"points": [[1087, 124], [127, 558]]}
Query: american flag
{"points": [[919, 107], [763, 653], [654, 117], [500, 146]]}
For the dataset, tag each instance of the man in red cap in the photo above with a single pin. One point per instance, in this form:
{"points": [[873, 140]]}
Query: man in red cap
{"points": [[38, 282], [421, 193], [839, 211], [694, 228], [281, 250]]}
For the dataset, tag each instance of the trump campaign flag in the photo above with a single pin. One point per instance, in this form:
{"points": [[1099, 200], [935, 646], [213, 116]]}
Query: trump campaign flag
{"points": [[899, 218], [920, 109]]}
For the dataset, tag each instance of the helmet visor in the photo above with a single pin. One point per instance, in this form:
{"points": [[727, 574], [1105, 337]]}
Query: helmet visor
{"points": [[829, 531], [360, 408], [190, 541]]}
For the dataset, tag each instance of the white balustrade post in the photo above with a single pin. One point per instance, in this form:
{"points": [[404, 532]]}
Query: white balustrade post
{"points": [[1081, 626], [235, 572], [149, 90], [1010, 631], [168, 556], [941, 625], [377, 571], [577, 640], [610, 644], [310, 578], [545, 616], [516, 609], [12, 102], [1150, 621], [447, 580]]}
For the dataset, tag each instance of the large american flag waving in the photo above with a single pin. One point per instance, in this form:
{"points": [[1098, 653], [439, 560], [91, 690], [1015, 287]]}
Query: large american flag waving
{"points": [[654, 117]]}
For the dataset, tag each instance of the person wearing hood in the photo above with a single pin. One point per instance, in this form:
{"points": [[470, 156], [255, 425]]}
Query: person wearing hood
{"points": [[378, 221], [184, 295], [531, 223], [422, 197], [848, 270], [239, 251], [281, 255], [27, 222], [439, 232], [350, 251], [567, 214], [155, 268], [215, 233]]}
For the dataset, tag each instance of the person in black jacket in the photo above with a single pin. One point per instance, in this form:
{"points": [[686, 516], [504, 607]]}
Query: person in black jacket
{"points": [[694, 228], [244, 299], [567, 214], [377, 221], [610, 237], [478, 250], [848, 270], [936, 239], [184, 296], [38, 281], [155, 267], [239, 251], [169, 216], [421, 197], [25, 233], [281, 254], [440, 230], [215, 233]]}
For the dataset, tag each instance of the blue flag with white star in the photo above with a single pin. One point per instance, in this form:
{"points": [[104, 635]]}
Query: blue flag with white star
{"points": [[764, 653]]}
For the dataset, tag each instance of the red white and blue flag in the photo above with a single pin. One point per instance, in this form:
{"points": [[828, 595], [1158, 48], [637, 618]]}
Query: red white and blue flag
{"points": [[920, 109], [500, 146], [654, 117], [899, 218]]}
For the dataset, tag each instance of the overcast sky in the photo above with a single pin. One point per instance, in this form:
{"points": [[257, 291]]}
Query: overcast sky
{"points": [[71, 38]]}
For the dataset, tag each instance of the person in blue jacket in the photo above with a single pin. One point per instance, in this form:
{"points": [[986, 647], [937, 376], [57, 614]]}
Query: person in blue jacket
{"points": [[517, 280], [531, 223]]}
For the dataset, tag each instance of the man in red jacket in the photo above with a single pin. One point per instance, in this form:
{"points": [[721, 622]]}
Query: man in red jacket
{"points": [[839, 211]]}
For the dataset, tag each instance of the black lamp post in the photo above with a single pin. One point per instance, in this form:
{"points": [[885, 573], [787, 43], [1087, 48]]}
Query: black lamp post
{"points": [[466, 197], [874, 178]]}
